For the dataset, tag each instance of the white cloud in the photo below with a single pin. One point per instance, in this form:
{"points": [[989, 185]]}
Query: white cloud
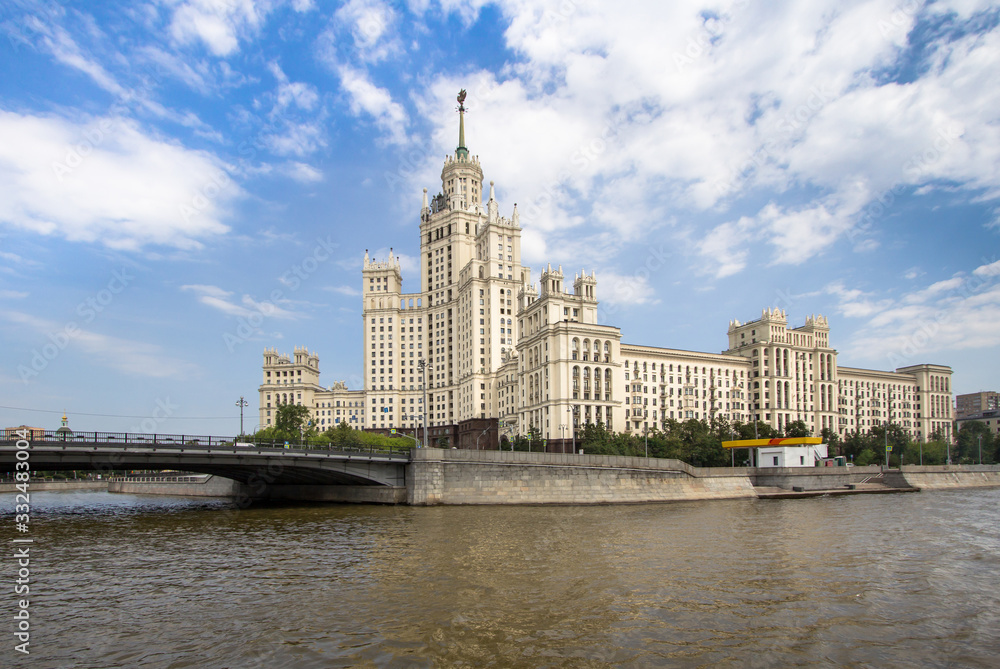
{"points": [[302, 173], [724, 249], [367, 98], [953, 314], [104, 180], [991, 269], [296, 139], [371, 24], [131, 357], [349, 291], [618, 290], [218, 24], [623, 124], [64, 48], [193, 73], [855, 303], [13, 294], [221, 300], [297, 93]]}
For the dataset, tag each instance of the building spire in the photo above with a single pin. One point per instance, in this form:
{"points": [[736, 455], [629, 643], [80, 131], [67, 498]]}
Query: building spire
{"points": [[461, 151]]}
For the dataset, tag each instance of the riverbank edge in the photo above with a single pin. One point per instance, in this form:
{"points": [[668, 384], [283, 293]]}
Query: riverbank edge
{"points": [[455, 478], [39, 486]]}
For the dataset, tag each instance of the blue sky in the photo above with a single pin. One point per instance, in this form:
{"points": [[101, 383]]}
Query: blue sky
{"points": [[184, 183]]}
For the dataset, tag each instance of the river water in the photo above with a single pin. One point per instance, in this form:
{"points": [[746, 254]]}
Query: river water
{"points": [[906, 580]]}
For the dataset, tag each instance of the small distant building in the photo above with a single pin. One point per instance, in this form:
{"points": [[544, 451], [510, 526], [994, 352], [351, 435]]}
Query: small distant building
{"points": [[64, 430], [805, 455], [783, 451], [16, 432], [972, 404], [991, 419]]}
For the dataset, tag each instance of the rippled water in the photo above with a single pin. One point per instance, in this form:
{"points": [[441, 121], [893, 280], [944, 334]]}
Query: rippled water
{"points": [[867, 581]]}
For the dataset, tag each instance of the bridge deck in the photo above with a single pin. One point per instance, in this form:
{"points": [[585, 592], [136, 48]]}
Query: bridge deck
{"points": [[221, 456]]}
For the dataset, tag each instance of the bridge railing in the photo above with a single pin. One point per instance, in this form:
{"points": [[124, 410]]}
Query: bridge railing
{"points": [[126, 439]]}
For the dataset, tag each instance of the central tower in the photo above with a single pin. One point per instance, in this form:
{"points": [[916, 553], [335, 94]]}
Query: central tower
{"points": [[471, 265]]}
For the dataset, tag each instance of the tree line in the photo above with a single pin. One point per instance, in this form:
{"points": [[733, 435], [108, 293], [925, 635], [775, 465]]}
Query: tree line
{"points": [[697, 442]]}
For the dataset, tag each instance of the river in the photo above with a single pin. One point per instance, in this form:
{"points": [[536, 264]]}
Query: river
{"points": [[908, 580]]}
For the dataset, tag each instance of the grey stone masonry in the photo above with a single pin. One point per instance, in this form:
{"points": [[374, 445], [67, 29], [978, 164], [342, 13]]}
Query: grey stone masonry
{"points": [[438, 476]]}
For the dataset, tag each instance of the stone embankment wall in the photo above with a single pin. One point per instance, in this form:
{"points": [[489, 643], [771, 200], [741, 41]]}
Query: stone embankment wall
{"points": [[439, 476], [38, 486], [345, 494], [209, 486], [811, 478], [940, 477], [444, 476]]}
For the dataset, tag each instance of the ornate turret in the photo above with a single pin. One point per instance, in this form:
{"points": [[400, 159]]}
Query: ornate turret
{"points": [[491, 206], [64, 430], [586, 286], [462, 176]]}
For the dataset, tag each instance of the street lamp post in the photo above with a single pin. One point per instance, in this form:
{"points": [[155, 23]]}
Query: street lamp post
{"points": [[422, 366], [645, 434], [887, 445], [480, 437], [572, 427], [242, 403], [980, 449]]}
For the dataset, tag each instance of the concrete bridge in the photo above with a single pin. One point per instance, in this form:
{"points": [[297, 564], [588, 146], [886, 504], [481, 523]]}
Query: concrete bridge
{"points": [[271, 463]]}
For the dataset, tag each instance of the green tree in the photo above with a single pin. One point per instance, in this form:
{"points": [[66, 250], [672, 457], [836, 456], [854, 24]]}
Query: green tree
{"points": [[855, 443], [865, 457], [969, 438], [832, 440], [933, 452], [748, 431], [897, 439], [342, 434], [797, 429], [291, 419], [596, 439]]}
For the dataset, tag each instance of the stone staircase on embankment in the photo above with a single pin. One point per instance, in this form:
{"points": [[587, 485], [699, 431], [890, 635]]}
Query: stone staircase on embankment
{"points": [[880, 482]]}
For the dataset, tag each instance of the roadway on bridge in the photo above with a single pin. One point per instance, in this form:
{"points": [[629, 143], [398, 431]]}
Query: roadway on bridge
{"points": [[220, 456]]}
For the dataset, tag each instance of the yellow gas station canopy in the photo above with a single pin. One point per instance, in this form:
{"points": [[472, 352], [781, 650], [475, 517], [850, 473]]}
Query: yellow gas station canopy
{"points": [[780, 441]]}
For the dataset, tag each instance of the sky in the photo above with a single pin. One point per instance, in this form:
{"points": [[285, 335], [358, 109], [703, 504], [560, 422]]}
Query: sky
{"points": [[184, 183]]}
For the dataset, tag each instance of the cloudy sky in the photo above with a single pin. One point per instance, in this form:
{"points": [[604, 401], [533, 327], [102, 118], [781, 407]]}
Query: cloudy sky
{"points": [[186, 182]]}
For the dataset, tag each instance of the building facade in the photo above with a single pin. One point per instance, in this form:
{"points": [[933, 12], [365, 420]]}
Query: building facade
{"points": [[974, 403], [991, 419], [493, 353]]}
